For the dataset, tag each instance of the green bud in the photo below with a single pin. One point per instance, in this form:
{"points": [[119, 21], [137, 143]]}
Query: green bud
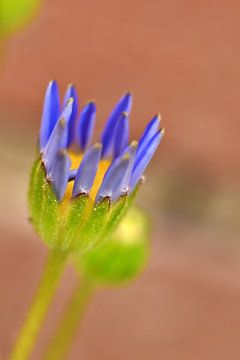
{"points": [[122, 256], [16, 13], [74, 224]]}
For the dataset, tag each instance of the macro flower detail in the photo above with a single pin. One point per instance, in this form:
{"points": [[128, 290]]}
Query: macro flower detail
{"points": [[80, 189]]}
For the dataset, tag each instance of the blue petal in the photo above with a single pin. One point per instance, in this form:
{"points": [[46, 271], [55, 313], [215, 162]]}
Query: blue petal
{"points": [[58, 138], [59, 174], [51, 111], [124, 105], [86, 124], [141, 163], [116, 178], [71, 93], [150, 130], [87, 170], [131, 151], [121, 135]]}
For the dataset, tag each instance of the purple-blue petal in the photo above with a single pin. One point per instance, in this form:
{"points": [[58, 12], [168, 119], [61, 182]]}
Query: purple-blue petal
{"points": [[141, 163], [121, 137], [59, 174], [51, 111], [150, 130], [86, 124], [131, 151], [71, 93], [87, 170], [123, 105], [115, 179], [58, 138]]}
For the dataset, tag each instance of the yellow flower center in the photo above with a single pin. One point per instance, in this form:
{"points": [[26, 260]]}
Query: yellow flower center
{"points": [[102, 168]]}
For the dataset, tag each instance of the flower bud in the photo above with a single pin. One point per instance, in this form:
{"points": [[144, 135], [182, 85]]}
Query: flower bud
{"points": [[76, 224], [122, 256], [80, 191], [14, 14]]}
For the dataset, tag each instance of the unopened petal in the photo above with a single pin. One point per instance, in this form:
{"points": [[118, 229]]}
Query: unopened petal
{"points": [[60, 173], [123, 105], [114, 179], [131, 151], [86, 125], [121, 135], [141, 163], [87, 170], [150, 130], [58, 138], [51, 111], [71, 93]]}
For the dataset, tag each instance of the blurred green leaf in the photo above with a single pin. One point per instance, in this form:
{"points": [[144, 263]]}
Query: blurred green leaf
{"points": [[16, 13]]}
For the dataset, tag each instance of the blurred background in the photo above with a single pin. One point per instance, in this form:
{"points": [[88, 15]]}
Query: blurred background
{"points": [[180, 58]]}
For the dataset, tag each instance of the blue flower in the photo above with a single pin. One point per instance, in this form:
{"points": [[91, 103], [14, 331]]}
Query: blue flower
{"points": [[74, 165]]}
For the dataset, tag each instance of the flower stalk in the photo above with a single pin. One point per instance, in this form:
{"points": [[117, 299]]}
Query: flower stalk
{"points": [[112, 264], [61, 342], [44, 294]]}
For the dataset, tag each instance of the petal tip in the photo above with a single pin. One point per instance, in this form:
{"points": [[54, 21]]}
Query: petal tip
{"points": [[162, 131], [134, 144]]}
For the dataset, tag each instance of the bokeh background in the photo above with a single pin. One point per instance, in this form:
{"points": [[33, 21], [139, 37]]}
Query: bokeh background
{"points": [[180, 58]]}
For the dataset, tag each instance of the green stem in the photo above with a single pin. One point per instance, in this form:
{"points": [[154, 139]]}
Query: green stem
{"points": [[61, 342], [39, 306]]}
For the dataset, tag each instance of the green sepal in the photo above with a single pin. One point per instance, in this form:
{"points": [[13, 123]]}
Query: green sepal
{"points": [[91, 232], [73, 221], [35, 193], [122, 256], [116, 214], [43, 205], [49, 224]]}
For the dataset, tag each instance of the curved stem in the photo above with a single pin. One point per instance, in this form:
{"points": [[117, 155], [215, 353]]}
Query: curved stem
{"points": [[61, 342], [39, 306]]}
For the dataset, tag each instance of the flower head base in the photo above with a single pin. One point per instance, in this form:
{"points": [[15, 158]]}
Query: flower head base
{"points": [[83, 183]]}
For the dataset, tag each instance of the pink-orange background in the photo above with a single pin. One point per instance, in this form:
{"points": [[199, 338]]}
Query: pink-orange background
{"points": [[180, 58]]}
